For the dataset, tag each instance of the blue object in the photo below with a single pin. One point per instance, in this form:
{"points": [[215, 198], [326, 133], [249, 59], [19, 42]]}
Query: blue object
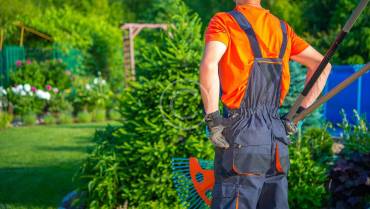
{"points": [[355, 97]]}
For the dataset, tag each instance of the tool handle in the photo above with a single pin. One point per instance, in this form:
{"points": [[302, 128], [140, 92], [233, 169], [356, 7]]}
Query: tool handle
{"points": [[329, 54]]}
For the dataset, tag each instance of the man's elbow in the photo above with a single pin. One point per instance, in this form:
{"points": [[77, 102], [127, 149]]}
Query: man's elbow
{"points": [[206, 66]]}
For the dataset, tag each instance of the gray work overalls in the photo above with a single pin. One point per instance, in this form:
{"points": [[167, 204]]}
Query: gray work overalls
{"points": [[252, 173]]}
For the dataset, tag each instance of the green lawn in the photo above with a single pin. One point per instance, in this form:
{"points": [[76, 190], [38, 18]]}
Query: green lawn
{"points": [[37, 163]]}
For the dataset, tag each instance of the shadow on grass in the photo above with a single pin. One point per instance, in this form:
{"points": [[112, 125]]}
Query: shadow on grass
{"points": [[36, 186], [87, 125], [82, 149]]}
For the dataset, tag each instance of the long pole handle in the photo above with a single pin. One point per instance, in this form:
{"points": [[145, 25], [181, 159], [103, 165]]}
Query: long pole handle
{"points": [[332, 93], [329, 54]]}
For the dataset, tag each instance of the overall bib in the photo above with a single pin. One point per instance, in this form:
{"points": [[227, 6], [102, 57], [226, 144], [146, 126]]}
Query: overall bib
{"points": [[252, 173]]}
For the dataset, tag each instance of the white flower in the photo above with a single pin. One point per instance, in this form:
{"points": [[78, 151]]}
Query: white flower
{"points": [[88, 87], [39, 94], [23, 93], [55, 90], [43, 95], [103, 82], [17, 89], [47, 95], [14, 90], [27, 87], [96, 80], [2, 91]]}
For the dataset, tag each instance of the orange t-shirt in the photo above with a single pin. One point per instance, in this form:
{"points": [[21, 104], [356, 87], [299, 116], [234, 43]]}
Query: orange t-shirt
{"points": [[235, 65]]}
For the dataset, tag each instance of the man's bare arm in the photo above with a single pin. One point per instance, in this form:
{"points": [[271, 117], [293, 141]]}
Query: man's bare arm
{"points": [[311, 59], [209, 79]]}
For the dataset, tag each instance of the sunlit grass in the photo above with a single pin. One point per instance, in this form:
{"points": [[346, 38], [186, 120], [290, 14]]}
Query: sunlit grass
{"points": [[37, 163]]}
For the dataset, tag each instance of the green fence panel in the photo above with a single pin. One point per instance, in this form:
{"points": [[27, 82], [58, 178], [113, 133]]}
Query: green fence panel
{"points": [[72, 58], [2, 69], [10, 55]]}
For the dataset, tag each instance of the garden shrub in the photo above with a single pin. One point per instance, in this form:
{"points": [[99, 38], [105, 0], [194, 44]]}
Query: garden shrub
{"points": [[350, 176], [320, 144], [28, 72], [49, 119], [65, 118], [84, 117], [59, 103], [89, 94], [307, 178], [29, 119], [114, 115], [41, 74], [133, 163], [99, 115], [5, 120], [356, 137], [25, 98], [350, 181]]}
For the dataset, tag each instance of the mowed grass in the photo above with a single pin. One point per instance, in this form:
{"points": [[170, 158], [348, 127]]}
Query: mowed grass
{"points": [[37, 163]]}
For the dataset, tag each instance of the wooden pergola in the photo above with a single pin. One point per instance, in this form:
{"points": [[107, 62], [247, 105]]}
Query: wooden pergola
{"points": [[131, 30], [23, 29], [31, 30]]}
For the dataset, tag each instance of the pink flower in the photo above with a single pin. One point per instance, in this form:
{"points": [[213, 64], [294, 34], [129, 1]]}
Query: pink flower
{"points": [[55, 90], [28, 61], [33, 89], [18, 63], [48, 87]]}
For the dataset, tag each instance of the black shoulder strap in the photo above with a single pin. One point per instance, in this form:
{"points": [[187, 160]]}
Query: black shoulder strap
{"points": [[246, 26], [285, 39]]}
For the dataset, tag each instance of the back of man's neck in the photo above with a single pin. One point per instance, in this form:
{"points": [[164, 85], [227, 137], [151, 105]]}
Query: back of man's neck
{"points": [[250, 3]]}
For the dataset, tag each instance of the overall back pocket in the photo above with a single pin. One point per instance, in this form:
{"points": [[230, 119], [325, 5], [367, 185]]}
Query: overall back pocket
{"points": [[252, 151]]}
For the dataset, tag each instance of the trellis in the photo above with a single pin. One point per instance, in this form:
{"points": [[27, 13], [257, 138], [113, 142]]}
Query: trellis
{"points": [[131, 30]]}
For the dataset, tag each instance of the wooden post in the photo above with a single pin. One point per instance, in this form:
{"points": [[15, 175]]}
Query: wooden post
{"points": [[22, 36], [132, 55], [1, 39]]}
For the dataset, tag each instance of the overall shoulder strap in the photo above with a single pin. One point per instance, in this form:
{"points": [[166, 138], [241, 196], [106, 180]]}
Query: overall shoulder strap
{"points": [[285, 39], [246, 26]]}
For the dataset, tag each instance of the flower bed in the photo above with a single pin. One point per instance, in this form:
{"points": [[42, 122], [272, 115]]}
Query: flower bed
{"points": [[47, 93]]}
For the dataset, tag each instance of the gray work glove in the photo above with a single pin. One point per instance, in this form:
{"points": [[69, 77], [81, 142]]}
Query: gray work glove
{"points": [[290, 127], [215, 125]]}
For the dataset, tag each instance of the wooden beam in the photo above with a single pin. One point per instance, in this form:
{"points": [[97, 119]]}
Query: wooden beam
{"points": [[130, 25], [31, 30], [22, 37], [136, 31]]}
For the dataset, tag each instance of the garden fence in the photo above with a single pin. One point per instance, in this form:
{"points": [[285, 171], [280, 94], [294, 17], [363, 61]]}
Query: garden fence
{"points": [[354, 97], [10, 54]]}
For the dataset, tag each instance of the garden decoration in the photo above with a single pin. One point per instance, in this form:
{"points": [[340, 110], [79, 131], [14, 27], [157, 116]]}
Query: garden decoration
{"points": [[194, 178], [329, 54]]}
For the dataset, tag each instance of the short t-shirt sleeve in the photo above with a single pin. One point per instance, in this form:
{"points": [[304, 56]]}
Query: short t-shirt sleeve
{"points": [[298, 44], [216, 30]]}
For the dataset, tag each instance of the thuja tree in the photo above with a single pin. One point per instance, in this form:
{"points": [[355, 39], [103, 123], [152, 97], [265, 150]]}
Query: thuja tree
{"points": [[162, 119]]}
